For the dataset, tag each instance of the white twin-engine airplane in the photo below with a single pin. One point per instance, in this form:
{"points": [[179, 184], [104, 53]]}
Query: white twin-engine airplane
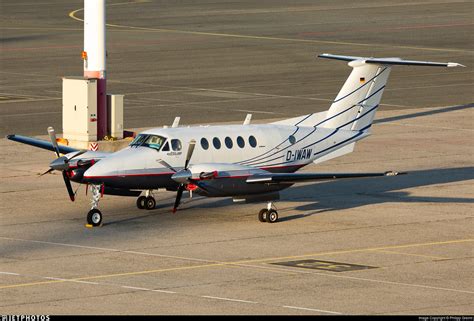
{"points": [[246, 162]]}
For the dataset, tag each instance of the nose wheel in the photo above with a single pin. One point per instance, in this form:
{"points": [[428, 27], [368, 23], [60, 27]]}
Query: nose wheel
{"points": [[94, 217], [269, 214]]}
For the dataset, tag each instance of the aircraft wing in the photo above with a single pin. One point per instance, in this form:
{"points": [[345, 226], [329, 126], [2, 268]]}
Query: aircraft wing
{"points": [[291, 178], [41, 143]]}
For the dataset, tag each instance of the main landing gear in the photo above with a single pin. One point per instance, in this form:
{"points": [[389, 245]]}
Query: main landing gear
{"points": [[146, 201], [269, 214], [94, 217]]}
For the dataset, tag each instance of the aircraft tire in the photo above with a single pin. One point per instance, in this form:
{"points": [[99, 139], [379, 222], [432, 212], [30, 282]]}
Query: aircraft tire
{"points": [[262, 215], [150, 203], [94, 217], [141, 202], [272, 216]]}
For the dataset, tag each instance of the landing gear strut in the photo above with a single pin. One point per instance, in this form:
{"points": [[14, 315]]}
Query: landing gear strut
{"points": [[94, 217], [146, 201], [268, 214]]}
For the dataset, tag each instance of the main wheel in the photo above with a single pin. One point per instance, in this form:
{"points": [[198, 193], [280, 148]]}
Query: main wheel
{"points": [[141, 202], [262, 215], [94, 217], [272, 216], [150, 203]]}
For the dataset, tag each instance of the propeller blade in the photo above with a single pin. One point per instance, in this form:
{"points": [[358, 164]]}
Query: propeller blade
{"points": [[47, 172], [192, 144], [68, 186], [165, 164], [178, 197], [52, 136]]}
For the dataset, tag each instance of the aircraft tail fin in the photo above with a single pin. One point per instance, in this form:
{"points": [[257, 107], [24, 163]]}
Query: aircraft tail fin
{"points": [[356, 103]]}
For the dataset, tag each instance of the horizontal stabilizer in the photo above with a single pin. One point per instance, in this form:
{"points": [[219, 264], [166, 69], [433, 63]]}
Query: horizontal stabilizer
{"points": [[390, 61]]}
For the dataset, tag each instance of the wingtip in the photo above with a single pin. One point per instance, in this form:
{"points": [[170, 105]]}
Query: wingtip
{"points": [[455, 64], [392, 173]]}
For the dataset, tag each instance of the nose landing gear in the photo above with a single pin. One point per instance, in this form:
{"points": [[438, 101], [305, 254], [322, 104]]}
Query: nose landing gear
{"points": [[269, 214], [94, 217]]}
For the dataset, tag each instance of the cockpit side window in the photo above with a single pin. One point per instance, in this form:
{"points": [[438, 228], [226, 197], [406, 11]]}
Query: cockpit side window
{"points": [[155, 142], [152, 141], [166, 147]]}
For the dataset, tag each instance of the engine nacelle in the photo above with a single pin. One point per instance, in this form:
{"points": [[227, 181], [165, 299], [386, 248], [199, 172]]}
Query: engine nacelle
{"points": [[223, 180]]}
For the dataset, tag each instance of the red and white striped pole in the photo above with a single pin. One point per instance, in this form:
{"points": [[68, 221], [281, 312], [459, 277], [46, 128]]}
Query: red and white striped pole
{"points": [[94, 56]]}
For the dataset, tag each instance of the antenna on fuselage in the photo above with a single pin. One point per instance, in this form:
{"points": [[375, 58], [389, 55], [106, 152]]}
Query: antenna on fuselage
{"points": [[248, 119], [176, 122]]}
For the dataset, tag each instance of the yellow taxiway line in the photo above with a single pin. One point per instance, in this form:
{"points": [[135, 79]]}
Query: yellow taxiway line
{"points": [[237, 263], [72, 15]]}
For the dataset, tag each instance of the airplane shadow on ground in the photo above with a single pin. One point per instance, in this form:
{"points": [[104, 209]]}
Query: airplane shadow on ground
{"points": [[343, 194], [424, 113]]}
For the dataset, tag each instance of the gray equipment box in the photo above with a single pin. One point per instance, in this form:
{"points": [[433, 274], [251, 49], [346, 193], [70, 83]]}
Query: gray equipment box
{"points": [[80, 109]]}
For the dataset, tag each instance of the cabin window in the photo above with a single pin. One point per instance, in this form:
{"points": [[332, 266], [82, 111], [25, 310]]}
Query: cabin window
{"points": [[204, 144], [240, 142], [228, 142], [252, 141], [292, 139], [176, 145], [216, 142]]}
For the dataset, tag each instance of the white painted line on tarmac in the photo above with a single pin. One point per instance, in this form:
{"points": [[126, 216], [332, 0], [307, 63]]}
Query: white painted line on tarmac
{"points": [[110, 250], [135, 288], [53, 278], [86, 282], [69, 280], [144, 289], [227, 299], [9, 273], [163, 291], [308, 309]]}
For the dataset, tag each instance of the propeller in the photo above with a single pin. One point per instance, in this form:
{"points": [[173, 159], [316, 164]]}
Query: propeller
{"points": [[183, 176], [61, 163]]}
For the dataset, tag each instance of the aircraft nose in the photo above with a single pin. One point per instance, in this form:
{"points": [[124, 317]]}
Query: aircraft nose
{"points": [[103, 169]]}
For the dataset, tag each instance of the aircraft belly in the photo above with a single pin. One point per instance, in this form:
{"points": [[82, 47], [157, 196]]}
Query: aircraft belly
{"points": [[140, 182]]}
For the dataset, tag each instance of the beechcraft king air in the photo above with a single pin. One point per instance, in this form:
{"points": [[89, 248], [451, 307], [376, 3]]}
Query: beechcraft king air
{"points": [[246, 162]]}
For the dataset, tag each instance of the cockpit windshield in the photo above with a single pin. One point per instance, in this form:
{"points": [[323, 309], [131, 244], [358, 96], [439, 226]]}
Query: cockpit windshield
{"points": [[146, 140]]}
